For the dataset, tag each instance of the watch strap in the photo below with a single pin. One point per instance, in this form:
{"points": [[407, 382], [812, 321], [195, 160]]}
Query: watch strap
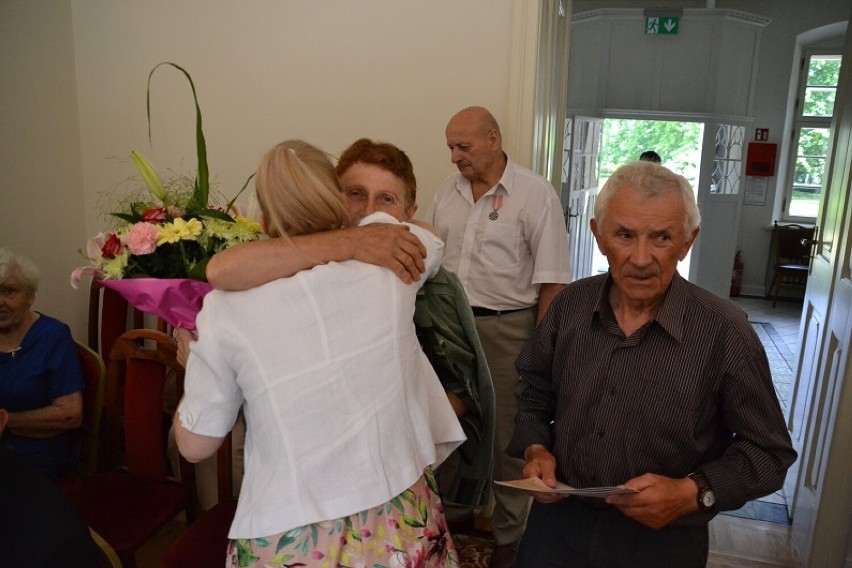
{"points": [[703, 489]]}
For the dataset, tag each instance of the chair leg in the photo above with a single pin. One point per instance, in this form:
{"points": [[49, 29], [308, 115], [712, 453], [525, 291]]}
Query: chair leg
{"points": [[775, 285]]}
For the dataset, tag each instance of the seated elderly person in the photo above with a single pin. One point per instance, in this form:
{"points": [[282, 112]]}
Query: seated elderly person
{"points": [[40, 376]]}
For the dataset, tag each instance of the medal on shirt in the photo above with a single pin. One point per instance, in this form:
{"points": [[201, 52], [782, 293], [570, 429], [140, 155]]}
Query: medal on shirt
{"points": [[496, 204]]}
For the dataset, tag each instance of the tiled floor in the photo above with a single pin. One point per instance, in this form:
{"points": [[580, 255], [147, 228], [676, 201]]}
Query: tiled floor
{"points": [[778, 330], [784, 317], [740, 538], [780, 337]]}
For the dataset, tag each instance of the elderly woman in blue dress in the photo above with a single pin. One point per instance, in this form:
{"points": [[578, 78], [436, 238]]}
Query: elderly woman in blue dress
{"points": [[40, 376]]}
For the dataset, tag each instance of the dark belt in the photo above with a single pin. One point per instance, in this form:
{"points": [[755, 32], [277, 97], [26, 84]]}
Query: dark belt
{"points": [[486, 312]]}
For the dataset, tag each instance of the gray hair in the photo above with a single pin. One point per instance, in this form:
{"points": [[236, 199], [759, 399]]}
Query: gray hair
{"points": [[650, 180], [20, 268]]}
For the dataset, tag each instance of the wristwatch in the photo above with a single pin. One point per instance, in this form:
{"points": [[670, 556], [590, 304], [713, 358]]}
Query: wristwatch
{"points": [[706, 497]]}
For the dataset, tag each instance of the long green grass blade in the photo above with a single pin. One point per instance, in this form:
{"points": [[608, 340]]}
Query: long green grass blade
{"points": [[201, 192]]}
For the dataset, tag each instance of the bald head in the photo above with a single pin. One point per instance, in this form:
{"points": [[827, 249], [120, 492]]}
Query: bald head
{"points": [[475, 118], [476, 146]]}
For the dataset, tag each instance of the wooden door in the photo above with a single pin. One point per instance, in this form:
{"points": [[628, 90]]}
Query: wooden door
{"points": [[719, 199], [820, 419]]}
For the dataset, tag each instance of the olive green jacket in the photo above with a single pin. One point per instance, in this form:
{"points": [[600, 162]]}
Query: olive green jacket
{"points": [[447, 333]]}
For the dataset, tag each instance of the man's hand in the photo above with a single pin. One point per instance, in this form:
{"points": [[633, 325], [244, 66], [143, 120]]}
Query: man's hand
{"points": [[391, 246], [542, 464], [660, 499]]}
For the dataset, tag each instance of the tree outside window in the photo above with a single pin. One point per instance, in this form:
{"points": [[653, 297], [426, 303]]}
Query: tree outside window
{"points": [[812, 130]]}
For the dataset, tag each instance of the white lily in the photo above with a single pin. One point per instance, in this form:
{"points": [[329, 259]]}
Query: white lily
{"points": [[150, 175]]}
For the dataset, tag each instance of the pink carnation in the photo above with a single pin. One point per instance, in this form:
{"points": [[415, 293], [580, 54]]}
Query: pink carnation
{"points": [[142, 238]]}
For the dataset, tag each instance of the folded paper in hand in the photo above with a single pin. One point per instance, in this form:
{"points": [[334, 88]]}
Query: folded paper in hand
{"points": [[536, 484]]}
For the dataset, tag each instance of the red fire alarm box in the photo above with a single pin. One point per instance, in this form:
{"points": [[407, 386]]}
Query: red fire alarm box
{"points": [[760, 159]]}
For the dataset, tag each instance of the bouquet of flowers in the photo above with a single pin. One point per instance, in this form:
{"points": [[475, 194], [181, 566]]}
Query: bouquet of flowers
{"points": [[161, 244]]}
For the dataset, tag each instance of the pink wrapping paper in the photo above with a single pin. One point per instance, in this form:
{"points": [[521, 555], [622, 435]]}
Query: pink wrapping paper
{"points": [[176, 300]]}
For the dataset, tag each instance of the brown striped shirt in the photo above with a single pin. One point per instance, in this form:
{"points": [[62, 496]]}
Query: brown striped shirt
{"points": [[691, 389]]}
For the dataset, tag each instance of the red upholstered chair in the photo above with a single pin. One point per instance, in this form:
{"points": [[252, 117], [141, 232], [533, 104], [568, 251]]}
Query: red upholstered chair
{"points": [[128, 505], [94, 380], [205, 542]]}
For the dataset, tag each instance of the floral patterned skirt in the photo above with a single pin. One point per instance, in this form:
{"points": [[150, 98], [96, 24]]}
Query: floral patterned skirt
{"points": [[409, 531]]}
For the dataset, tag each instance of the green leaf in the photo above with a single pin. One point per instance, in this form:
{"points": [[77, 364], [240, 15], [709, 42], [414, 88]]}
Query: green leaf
{"points": [[242, 189], [411, 521], [288, 537], [408, 496], [398, 504], [244, 554], [217, 214], [201, 192], [199, 270], [126, 217]]}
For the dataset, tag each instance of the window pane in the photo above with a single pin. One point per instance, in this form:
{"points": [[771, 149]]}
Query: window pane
{"points": [[727, 166], [824, 70], [823, 75], [809, 170], [819, 101], [813, 142], [805, 202]]}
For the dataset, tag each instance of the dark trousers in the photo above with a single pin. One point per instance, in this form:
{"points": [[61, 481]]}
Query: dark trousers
{"points": [[579, 534]]}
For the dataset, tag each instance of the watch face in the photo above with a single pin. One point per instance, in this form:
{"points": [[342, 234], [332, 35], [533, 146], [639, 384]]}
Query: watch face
{"points": [[708, 499]]}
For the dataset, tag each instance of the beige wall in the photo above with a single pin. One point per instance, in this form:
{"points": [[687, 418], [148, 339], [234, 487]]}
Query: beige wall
{"points": [[328, 72], [42, 206]]}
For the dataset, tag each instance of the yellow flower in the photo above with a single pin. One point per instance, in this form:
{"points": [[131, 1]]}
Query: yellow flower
{"points": [[114, 267], [180, 229], [250, 225]]}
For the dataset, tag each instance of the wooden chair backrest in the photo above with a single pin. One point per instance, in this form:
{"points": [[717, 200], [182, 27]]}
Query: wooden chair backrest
{"points": [[107, 557], [109, 317], [140, 363], [791, 244], [94, 379]]}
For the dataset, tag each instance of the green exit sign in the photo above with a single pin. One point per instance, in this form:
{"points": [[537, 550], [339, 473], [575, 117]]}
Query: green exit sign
{"points": [[664, 25]]}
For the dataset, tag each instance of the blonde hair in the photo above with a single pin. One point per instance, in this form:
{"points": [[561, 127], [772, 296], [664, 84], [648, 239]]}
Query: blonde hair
{"points": [[298, 191]]}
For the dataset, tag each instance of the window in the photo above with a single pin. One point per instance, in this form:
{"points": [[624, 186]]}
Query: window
{"points": [[812, 127], [728, 160]]}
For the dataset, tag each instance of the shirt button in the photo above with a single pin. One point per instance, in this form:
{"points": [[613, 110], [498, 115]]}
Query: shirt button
{"points": [[600, 434], [612, 391]]}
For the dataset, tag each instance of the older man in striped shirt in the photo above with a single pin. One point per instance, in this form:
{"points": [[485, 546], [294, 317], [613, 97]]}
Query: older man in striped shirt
{"points": [[640, 378]]}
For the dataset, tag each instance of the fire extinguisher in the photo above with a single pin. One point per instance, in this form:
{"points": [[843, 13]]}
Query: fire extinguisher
{"points": [[737, 275]]}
